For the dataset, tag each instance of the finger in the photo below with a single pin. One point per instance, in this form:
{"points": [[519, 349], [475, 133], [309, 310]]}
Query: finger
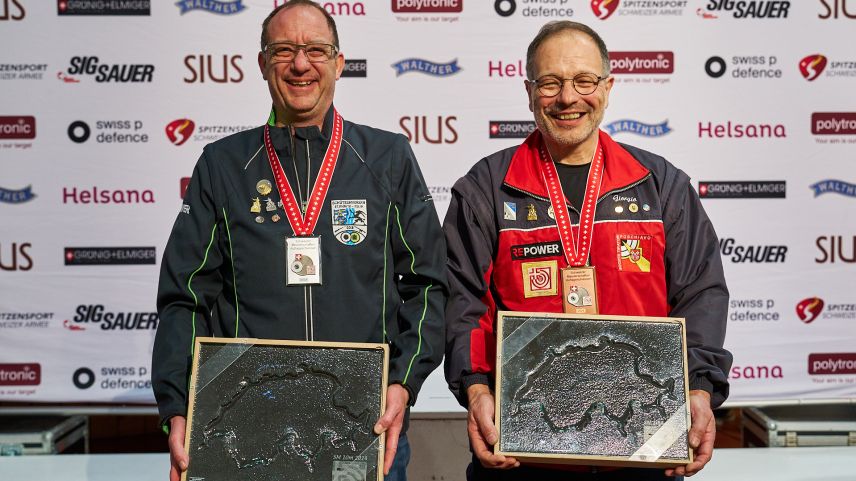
{"points": [[391, 449], [486, 427], [701, 420], [174, 474]]}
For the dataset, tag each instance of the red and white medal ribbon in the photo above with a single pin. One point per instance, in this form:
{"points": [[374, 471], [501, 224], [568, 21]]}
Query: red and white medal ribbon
{"points": [[576, 251], [304, 226]]}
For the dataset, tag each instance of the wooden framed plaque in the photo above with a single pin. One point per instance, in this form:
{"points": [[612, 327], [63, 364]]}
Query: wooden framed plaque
{"points": [[592, 389], [271, 410]]}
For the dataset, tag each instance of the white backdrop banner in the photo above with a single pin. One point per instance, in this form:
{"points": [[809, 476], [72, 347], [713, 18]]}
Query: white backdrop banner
{"points": [[105, 107]]}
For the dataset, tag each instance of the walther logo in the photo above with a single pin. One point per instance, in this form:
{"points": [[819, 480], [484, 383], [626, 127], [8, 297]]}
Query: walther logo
{"points": [[832, 363], [96, 256], [427, 6], [511, 129], [833, 123], [17, 127], [29, 374], [641, 62]]}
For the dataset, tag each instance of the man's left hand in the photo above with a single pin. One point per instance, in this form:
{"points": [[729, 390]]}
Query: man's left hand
{"points": [[391, 422], [701, 436]]}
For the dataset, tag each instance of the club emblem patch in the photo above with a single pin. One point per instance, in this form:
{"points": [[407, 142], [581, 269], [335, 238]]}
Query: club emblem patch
{"points": [[350, 221], [509, 211], [540, 278], [634, 252]]}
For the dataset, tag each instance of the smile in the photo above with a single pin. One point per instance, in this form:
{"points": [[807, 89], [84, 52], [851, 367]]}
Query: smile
{"points": [[300, 84], [571, 116]]}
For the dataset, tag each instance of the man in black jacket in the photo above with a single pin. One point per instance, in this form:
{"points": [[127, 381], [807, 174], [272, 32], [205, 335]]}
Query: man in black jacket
{"points": [[307, 228]]}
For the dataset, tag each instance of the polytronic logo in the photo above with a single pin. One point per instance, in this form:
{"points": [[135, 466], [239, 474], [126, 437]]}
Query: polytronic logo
{"points": [[812, 66], [833, 123], [29, 374], [603, 9], [641, 62], [832, 363], [427, 6], [17, 127], [179, 131], [809, 309]]}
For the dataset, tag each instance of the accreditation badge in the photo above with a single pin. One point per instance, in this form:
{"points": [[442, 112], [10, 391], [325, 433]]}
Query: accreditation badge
{"points": [[579, 290], [303, 258]]}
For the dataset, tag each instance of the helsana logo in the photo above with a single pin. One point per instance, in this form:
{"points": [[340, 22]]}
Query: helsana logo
{"points": [[812, 66], [809, 309], [179, 131], [603, 9]]}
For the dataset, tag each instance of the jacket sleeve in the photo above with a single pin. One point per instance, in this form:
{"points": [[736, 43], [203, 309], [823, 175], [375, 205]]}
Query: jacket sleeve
{"points": [[189, 285], [696, 288], [471, 311], [419, 262]]}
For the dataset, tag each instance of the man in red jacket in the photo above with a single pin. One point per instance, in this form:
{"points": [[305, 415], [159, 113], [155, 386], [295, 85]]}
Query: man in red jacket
{"points": [[571, 197]]}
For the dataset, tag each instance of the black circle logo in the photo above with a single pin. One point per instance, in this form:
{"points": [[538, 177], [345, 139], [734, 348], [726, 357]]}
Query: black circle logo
{"points": [[78, 131], [83, 378], [715, 67], [505, 8]]}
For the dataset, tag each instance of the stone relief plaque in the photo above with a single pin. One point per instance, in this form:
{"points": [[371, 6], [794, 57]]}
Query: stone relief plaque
{"points": [[592, 389], [268, 410]]}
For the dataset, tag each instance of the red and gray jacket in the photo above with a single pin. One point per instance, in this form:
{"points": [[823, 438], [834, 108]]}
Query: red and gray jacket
{"points": [[654, 250]]}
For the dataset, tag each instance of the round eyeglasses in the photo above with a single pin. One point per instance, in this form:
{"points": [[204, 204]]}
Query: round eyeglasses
{"points": [[584, 84]]}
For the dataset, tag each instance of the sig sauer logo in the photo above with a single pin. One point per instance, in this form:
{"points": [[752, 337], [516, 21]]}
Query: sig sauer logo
{"points": [[535, 251]]}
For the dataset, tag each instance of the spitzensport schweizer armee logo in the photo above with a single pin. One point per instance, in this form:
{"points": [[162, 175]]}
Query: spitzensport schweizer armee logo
{"points": [[603, 9], [809, 309], [179, 131], [812, 66]]}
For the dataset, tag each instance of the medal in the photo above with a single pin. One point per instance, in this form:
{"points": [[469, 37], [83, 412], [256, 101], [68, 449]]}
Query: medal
{"points": [[270, 206], [260, 219], [633, 208], [302, 248], [275, 218], [256, 207], [530, 212], [579, 294], [263, 187]]}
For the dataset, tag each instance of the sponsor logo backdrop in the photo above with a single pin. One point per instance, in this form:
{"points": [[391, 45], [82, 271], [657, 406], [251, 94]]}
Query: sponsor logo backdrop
{"points": [[100, 129]]}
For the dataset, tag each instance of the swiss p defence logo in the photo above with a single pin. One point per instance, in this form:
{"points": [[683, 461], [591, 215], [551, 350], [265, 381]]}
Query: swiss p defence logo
{"points": [[634, 252], [350, 219], [540, 278]]}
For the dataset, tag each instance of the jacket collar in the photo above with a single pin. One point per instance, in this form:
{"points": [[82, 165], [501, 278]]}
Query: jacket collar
{"points": [[281, 138], [620, 168]]}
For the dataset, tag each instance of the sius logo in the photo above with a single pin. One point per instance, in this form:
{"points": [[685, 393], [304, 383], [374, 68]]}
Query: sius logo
{"points": [[641, 62], [832, 248], [427, 6], [833, 123], [426, 66], [511, 129], [418, 128], [638, 128], [16, 264], [736, 130], [87, 7], [212, 6], [759, 189], [832, 363], [104, 73], [834, 8], [104, 196], [742, 9], [179, 131], [115, 321], [812, 66], [11, 10], [809, 309], [97, 256], [831, 186], [752, 253], [355, 68], [17, 127], [206, 67], [20, 196], [25, 374]]}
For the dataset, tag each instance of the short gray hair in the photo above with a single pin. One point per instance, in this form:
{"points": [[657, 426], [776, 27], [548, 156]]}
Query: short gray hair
{"points": [[554, 28]]}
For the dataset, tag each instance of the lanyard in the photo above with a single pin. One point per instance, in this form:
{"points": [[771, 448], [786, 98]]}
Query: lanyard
{"points": [[304, 224], [576, 251]]}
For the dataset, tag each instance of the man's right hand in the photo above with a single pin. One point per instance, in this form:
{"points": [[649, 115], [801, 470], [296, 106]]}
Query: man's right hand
{"points": [[177, 455], [482, 431]]}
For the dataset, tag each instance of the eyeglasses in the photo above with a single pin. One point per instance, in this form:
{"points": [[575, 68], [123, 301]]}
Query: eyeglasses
{"points": [[286, 52], [584, 84]]}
